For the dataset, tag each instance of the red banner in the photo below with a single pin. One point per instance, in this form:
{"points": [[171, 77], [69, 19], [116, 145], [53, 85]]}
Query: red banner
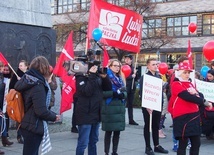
{"points": [[69, 83], [3, 59], [121, 28]]}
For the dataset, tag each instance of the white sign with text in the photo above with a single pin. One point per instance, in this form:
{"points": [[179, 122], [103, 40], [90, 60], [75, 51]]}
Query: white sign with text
{"points": [[152, 92], [206, 88]]}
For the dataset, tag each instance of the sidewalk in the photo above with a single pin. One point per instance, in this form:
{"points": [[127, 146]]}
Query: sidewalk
{"points": [[131, 140]]}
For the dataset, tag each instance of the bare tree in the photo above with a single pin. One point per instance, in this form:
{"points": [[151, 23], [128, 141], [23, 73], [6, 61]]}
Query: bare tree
{"points": [[144, 7]]}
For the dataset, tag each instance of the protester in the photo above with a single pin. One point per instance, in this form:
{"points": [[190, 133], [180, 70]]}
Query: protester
{"points": [[53, 85], [23, 67], [164, 112], [4, 84], [113, 107], [36, 93], [130, 87], [7, 73], [184, 107], [208, 123], [171, 79], [2, 91], [156, 115], [89, 92]]}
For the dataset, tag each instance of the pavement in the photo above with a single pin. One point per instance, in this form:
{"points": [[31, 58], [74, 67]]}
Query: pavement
{"points": [[131, 140]]}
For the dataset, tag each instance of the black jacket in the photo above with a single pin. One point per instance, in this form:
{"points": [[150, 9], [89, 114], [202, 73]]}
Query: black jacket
{"points": [[34, 91], [129, 80], [14, 78], [90, 95]]}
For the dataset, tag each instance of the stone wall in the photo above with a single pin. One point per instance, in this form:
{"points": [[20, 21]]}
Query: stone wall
{"points": [[29, 12]]}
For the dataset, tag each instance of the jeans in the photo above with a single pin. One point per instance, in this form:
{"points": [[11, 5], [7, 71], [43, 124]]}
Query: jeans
{"points": [[3, 127], [31, 142], [88, 136]]}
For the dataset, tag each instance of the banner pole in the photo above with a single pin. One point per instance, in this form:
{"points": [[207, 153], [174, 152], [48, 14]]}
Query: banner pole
{"points": [[13, 70], [135, 65], [86, 46], [150, 123]]}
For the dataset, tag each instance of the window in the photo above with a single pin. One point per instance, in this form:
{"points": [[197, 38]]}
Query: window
{"points": [[208, 24], [64, 6], [52, 7], [151, 28], [178, 26]]}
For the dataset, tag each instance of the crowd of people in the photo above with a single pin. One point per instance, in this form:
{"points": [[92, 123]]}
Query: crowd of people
{"points": [[102, 97]]}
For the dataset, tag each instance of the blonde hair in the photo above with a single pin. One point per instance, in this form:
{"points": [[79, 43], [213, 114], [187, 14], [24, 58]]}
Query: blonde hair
{"points": [[120, 73]]}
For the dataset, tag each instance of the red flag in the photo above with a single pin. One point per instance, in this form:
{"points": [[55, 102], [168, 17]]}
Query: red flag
{"points": [[66, 54], [105, 57], [69, 85], [121, 28], [68, 90], [3, 59], [189, 54]]}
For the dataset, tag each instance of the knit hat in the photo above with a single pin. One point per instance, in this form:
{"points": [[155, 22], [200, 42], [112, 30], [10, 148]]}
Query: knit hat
{"points": [[184, 66]]}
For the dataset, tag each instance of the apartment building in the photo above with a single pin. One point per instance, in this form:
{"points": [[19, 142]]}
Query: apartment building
{"points": [[166, 28]]}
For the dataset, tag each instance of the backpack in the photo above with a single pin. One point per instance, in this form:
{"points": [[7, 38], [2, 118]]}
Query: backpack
{"points": [[15, 105]]}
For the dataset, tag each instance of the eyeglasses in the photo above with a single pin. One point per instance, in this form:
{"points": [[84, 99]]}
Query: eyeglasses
{"points": [[116, 66]]}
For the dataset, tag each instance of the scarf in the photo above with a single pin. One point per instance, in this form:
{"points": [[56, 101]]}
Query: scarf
{"points": [[116, 82], [46, 143]]}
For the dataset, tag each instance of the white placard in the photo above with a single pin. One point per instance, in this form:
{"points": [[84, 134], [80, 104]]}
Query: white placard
{"points": [[206, 88], [152, 92]]}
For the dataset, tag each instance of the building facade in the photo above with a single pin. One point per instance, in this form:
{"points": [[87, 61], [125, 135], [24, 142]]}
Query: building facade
{"points": [[165, 29]]}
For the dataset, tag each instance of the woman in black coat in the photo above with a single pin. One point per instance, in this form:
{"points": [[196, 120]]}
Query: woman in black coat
{"points": [[36, 94], [23, 66]]}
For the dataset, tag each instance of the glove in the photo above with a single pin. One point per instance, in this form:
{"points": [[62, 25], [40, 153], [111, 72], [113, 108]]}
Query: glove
{"points": [[121, 90], [119, 96]]}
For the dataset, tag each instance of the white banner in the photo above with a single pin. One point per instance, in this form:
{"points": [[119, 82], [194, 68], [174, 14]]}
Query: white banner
{"points": [[152, 92], [206, 88]]}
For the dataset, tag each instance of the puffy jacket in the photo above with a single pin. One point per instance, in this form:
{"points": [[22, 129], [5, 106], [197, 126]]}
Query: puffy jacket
{"points": [[34, 91], [89, 93], [181, 101], [113, 113]]}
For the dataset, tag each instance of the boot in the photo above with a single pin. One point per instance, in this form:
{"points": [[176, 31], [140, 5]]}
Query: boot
{"points": [[1, 152], [5, 141]]}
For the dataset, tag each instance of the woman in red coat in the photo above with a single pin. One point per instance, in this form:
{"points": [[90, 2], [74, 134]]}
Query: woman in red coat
{"points": [[184, 107]]}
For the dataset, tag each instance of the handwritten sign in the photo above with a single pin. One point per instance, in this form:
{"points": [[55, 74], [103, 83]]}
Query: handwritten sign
{"points": [[152, 92]]}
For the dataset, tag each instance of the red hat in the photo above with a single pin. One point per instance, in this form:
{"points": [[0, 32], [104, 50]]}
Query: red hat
{"points": [[184, 66]]}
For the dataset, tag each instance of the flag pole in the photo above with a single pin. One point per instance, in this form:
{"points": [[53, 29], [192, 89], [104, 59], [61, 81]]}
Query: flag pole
{"points": [[135, 65], [13, 70], [86, 46]]}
